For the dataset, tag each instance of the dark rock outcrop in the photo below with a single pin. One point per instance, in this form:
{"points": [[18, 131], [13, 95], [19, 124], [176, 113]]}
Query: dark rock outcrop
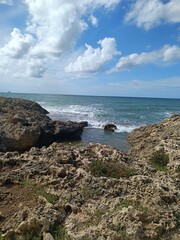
{"points": [[110, 127], [24, 124]]}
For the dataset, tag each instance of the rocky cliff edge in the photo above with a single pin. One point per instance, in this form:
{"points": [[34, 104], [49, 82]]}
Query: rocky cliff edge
{"points": [[95, 191]]}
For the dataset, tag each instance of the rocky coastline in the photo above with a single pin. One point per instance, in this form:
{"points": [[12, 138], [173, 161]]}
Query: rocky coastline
{"points": [[50, 190], [25, 124]]}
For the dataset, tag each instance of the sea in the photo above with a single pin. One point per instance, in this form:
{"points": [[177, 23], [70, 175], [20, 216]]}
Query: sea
{"points": [[127, 113]]}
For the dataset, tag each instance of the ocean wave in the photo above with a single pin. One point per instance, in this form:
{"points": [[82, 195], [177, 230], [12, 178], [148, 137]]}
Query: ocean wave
{"points": [[128, 129], [93, 114], [120, 128]]}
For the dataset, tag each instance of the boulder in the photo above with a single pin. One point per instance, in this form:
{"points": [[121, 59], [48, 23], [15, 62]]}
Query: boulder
{"points": [[25, 124], [110, 127]]}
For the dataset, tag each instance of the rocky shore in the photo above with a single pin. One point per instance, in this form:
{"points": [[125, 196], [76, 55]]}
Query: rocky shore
{"points": [[62, 191], [25, 124]]}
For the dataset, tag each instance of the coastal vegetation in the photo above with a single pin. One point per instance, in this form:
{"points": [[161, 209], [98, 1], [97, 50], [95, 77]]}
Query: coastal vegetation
{"points": [[39, 190], [159, 160], [110, 169]]}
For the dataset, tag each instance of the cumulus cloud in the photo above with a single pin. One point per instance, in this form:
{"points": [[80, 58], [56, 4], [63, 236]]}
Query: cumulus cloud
{"points": [[167, 54], [18, 46], [57, 24], [53, 28], [150, 13], [94, 58], [36, 68]]}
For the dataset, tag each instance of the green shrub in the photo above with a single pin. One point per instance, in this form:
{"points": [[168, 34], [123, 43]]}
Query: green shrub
{"points": [[159, 160], [110, 169], [41, 191], [59, 233], [123, 203]]}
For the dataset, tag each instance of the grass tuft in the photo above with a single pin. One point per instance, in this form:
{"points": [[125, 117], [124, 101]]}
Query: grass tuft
{"points": [[110, 169], [40, 191], [159, 160]]}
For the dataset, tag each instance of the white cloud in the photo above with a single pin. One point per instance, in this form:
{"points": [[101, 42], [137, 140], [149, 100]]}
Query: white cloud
{"points": [[94, 58], [93, 20], [7, 2], [53, 28], [150, 13], [167, 54], [58, 24], [36, 68], [18, 46]]}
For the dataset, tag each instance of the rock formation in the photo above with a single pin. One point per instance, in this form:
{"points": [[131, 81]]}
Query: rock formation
{"points": [[163, 136], [110, 127], [25, 124], [93, 192]]}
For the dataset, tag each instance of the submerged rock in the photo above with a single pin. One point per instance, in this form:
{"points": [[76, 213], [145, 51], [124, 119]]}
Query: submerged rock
{"points": [[110, 127]]}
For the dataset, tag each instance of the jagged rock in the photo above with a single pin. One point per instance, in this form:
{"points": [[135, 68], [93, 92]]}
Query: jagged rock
{"points": [[165, 135], [54, 188], [24, 124]]}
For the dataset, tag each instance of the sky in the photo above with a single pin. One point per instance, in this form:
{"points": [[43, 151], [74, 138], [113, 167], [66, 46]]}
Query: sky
{"points": [[91, 47]]}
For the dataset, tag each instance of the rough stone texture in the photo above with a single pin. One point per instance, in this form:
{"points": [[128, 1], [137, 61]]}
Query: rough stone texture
{"points": [[51, 191], [162, 136], [143, 206], [24, 124]]}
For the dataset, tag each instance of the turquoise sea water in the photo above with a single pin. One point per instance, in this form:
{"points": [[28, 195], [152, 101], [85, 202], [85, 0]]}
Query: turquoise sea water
{"points": [[126, 113]]}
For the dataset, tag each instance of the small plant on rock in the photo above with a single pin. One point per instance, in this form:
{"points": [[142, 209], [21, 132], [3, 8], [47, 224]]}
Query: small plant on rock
{"points": [[40, 190], [126, 203], [110, 169], [59, 233], [159, 160]]}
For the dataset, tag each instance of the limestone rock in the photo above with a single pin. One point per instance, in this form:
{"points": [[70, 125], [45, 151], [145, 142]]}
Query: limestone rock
{"points": [[25, 124], [54, 188]]}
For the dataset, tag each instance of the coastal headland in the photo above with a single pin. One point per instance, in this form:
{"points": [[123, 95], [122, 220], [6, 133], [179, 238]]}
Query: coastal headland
{"points": [[50, 190]]}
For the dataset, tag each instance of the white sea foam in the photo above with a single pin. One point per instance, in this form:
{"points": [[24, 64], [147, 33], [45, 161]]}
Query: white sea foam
{"points": [[73, 112], [121, 128], [78, 113], [168, 114]]}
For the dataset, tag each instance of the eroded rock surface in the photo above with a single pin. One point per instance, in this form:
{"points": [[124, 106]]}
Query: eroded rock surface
{"points": [[24, 124], [162, 136], [74, 192], [61, 191]]}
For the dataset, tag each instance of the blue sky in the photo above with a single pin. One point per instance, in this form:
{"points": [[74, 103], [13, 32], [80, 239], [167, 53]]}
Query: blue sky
{"points": [[91, 47]]}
